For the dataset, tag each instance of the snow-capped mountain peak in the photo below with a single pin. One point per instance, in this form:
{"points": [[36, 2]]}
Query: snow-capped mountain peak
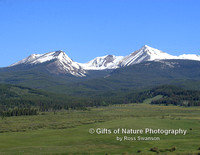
{"points": [[104, 62], [59, 63], [146, 53], [150, 50], [40, 58]]}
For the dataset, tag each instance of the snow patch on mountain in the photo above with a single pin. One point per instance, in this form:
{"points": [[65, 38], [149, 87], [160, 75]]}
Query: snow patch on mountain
{"points": [[189, 57]]}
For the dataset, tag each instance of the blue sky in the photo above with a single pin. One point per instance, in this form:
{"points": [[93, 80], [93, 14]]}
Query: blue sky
{"points": [[85, 29]]}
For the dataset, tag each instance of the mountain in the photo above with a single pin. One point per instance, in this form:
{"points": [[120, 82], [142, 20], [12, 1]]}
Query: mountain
{"points": [[58, 63], [146, 53], [104, 62], [146, 67], [184, 73], [62, 64]]}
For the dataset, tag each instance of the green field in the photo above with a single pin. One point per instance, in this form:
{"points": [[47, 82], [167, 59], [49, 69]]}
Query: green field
{"points": [[66, 132]]}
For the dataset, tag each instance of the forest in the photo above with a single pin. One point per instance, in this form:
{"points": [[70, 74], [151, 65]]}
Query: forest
{"points": [[18, 100], [176, 96]]}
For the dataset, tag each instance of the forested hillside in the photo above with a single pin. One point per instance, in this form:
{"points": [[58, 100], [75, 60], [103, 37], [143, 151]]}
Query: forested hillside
{"points": [[176, 96], [18, 100]]}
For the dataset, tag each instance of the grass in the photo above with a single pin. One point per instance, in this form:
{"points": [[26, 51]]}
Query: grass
{"points": [[67, 132]]}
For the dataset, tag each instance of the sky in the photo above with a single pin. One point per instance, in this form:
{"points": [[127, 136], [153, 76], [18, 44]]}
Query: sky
{"points": [[85, 29]]}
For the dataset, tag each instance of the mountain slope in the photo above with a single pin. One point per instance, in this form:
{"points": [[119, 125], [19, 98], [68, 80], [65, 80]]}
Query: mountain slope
{"points": [[183, 73], [148, 74]]}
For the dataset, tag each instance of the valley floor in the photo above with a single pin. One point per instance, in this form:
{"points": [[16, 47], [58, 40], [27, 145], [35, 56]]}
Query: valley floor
{"points": [[67, 132]]}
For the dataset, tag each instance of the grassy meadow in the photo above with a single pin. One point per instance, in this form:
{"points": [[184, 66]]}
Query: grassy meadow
{"points": [[66, 132]]}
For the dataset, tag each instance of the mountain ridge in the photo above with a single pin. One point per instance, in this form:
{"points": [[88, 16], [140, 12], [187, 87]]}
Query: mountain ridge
{"points": [[63, 64]]}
